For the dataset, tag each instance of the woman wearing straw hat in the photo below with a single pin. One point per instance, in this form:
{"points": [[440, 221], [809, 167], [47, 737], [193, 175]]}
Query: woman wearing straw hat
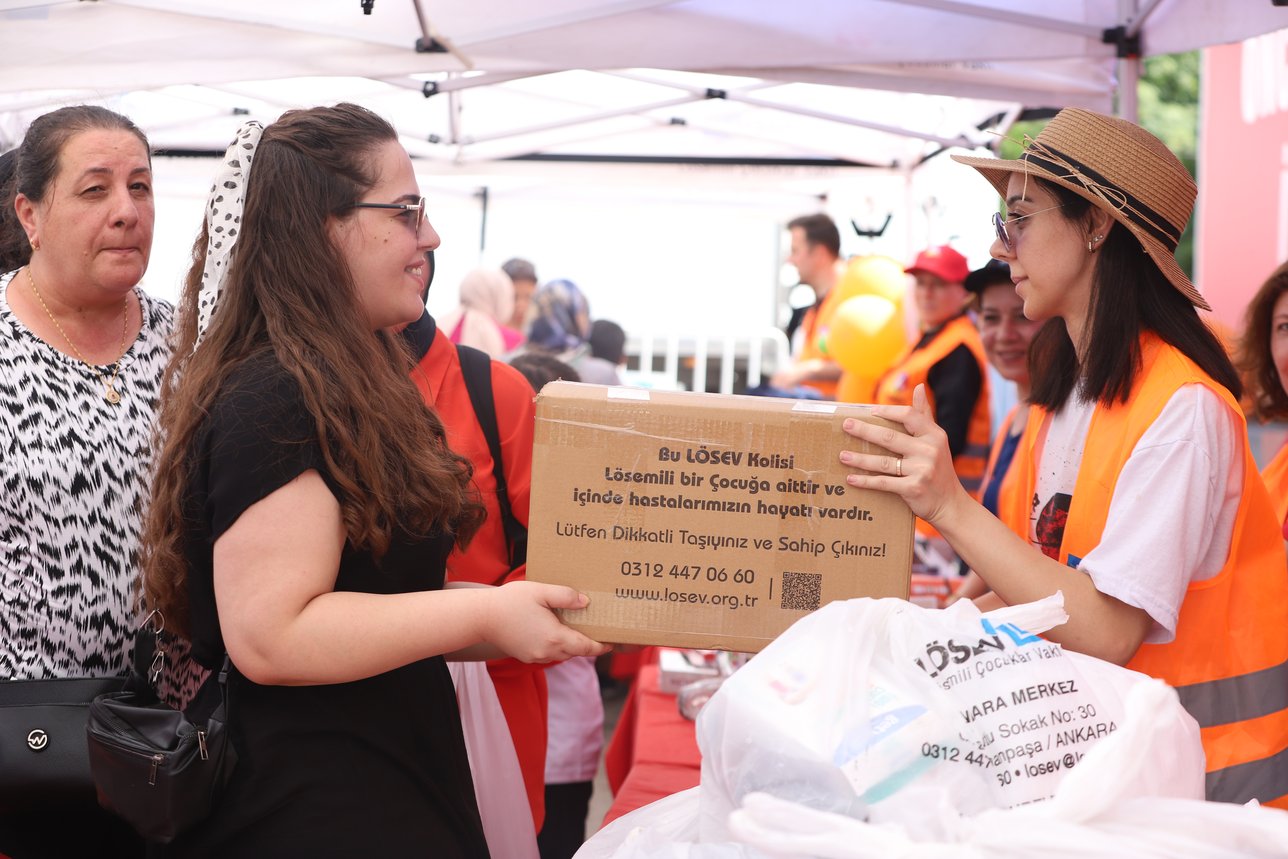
{"points": [[1142, 503]]}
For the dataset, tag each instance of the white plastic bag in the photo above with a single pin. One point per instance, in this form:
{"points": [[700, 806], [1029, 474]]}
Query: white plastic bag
{"points": [[838, 741], [498, 781], [666, 829], [866, 699], [1111, 804]]}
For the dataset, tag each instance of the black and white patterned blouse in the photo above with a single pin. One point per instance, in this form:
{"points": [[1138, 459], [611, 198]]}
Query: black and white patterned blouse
{"points": [[74, 474]]}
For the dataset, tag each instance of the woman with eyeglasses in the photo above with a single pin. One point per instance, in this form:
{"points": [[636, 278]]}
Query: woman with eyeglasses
{"points": [[1138, 497], [305, 503]]}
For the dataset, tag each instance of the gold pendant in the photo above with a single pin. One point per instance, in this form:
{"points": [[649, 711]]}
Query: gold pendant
{"points": [[110, 394]]}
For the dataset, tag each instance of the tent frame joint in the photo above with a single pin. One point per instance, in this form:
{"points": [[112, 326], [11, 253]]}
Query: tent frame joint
{"points": [[1127, 43], [430, 45]]}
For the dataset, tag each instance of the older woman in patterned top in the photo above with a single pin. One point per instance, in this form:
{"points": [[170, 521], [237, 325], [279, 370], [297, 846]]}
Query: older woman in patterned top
{"points": [[82, 350]]}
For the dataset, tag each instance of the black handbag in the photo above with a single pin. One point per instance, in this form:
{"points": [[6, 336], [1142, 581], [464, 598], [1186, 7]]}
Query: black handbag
{"points": [[153, 767], [43, 760]]}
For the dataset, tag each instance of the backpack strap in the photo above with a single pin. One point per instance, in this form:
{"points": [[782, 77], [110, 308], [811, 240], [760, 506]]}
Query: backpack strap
{"points": [[476, 368]]}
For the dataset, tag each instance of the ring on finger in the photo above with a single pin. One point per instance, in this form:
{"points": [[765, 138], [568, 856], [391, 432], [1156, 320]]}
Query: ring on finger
{"points": [[898, 467]]}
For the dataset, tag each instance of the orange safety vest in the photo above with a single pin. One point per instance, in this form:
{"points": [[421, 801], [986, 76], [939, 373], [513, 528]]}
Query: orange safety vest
{"points": [[1007, 489], [1229, 660], [1276, 479], [896, 387], [817, 321]]}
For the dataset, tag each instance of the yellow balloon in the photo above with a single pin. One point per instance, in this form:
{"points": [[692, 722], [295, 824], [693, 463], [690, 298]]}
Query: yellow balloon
{"points": [[856, 388], [866, 335], [874, 275]]}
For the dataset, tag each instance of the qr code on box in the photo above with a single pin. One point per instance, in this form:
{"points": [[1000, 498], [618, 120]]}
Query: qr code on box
{"points": [[802, 591]]}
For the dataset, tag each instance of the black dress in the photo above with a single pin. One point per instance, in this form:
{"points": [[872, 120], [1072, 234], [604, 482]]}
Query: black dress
{"points": [[376, 767]]}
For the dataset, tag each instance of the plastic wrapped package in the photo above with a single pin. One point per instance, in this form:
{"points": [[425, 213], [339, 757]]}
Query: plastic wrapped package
{"points": [[666, 829], [879, 728], [1112, 804], [865, 699]]}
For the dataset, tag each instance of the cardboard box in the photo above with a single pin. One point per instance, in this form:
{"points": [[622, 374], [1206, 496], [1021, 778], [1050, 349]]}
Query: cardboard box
{"points": [[705, 520]]}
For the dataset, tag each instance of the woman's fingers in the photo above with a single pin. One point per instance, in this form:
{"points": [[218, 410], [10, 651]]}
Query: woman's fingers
{"points": [[876, 463], [915, 465], [882, 436], [917, 420]]}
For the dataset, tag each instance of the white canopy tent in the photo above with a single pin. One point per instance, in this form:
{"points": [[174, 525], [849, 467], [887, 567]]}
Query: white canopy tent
{"points": [[486, 63], [723, 118]]}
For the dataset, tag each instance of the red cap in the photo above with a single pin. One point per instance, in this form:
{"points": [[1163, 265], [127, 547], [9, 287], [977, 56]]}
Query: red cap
{"points": [[943, 262]]}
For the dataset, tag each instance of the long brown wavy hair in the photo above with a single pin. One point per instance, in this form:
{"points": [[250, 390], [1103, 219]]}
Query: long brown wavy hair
{"points": [[1266, 392], [289, 293]]}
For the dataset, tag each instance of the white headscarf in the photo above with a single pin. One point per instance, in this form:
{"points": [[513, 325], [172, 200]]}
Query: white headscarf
{"points": [[223, 221]]}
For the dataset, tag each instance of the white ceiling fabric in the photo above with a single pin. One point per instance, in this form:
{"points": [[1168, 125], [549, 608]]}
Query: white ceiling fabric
{"points": [[189, 70]]}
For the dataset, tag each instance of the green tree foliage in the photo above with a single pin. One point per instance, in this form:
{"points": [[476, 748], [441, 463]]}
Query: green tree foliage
{"points": [[1168, 98], [1168, 102]]}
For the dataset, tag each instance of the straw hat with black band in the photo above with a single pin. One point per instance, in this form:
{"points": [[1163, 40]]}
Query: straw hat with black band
{"points": [[1119, 167]]}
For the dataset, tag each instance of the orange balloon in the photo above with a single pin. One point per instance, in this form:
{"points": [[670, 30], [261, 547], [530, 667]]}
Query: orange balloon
{"points": [[874, 275], [867, 335]]}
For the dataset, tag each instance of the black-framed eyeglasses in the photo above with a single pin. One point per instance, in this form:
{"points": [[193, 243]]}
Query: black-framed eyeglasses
{"points": [[999, 224], [418, 207]]}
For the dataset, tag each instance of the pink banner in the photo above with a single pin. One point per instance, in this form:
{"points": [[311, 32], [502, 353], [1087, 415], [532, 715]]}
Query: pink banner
{"points": [[1242, 230]]}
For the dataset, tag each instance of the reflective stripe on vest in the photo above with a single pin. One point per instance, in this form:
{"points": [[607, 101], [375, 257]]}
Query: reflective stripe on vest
{"points": [[1259, 780], [1229, 659], [1233, 699], [913, 369]]}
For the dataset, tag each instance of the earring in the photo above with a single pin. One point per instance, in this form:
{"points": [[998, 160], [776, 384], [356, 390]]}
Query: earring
{"points": [[1090, 246]]}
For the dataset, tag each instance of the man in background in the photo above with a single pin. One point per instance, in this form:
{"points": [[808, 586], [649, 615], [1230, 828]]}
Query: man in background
{"points": [[524, 276], [815, 253]]}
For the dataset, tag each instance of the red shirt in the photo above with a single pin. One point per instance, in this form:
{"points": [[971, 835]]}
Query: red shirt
{"points": [[520, 688]]}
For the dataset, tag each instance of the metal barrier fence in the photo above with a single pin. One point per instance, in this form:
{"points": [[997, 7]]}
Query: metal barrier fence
{"points": [[721, 363]]}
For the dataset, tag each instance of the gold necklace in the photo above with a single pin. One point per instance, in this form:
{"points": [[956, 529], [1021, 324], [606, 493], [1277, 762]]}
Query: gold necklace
{"points": [[109, 390]]}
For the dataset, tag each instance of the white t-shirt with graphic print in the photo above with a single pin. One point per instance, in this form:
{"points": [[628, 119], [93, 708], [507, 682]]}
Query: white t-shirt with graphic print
{"points": [[1172, 514]]}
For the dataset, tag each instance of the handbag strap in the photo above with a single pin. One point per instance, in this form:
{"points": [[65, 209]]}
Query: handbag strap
{"points": [[144, 665]]}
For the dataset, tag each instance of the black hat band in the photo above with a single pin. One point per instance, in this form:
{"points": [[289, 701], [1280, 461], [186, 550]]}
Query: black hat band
{"points": [[1135, 211]]}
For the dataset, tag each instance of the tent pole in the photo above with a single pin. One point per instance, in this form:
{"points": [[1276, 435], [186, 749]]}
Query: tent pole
{"points": [[1128, 68], [1128, 81], [733, 95]]}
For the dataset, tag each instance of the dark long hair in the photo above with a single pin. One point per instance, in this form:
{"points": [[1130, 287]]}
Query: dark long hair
{"points": [[1129, 296], [30, 169], [290, 294], [1267, 392]]}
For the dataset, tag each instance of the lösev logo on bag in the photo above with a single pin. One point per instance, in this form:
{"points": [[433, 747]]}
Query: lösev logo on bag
{"points": [[941, 656], [37, 740]]}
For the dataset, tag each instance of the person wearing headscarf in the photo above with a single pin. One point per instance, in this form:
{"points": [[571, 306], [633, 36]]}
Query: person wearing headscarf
{"points": [[561, 327], [479, 320]]}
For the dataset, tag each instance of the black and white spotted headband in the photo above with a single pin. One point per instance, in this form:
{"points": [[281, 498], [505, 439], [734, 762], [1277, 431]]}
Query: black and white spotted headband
{"points": [[223, 220]]}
